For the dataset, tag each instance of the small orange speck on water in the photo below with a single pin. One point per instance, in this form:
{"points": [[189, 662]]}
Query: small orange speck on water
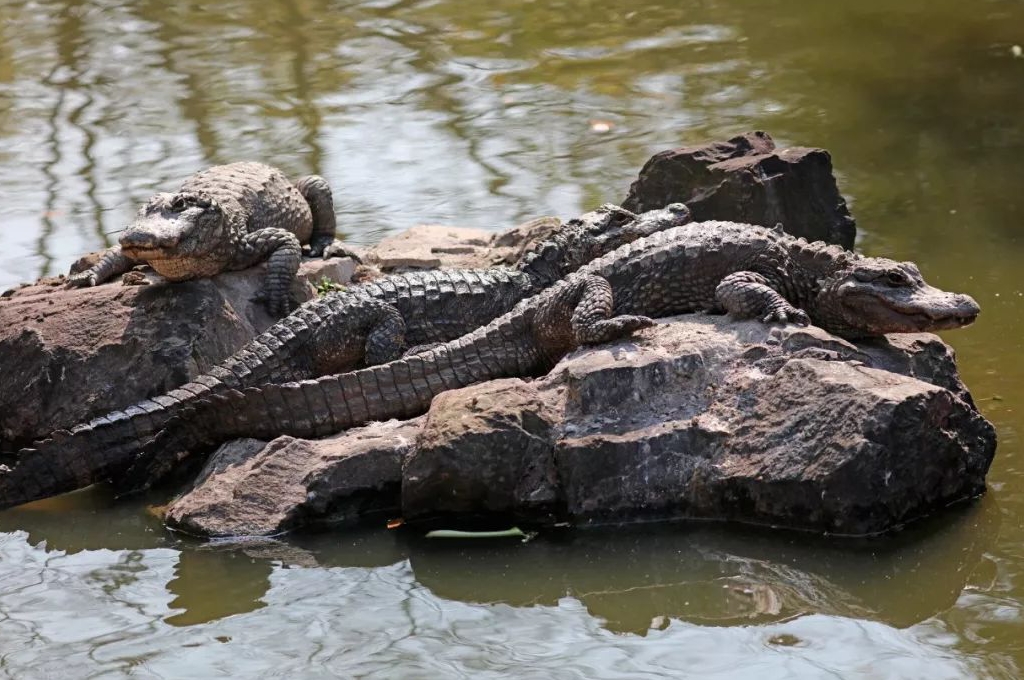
{"points": [[601, 125], [395, 523]]}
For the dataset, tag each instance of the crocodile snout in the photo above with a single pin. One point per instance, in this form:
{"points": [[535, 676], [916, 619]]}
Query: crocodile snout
{"points": [[150, 236], [966, 308]]}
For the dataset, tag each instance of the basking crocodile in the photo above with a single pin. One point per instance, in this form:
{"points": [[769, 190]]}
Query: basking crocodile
{"points": [[747, 271], [378, 321], [225, 218], [375, 322]]}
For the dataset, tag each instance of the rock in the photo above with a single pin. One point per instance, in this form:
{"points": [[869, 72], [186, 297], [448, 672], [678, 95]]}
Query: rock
{"points": [[252, 488], [433, 246], [68, 355], [429, 247], [484, 451], [698, 417], [747, 179], [702, 417]]}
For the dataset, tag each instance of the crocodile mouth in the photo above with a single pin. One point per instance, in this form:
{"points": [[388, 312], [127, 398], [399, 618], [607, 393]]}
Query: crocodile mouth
{"points": [[915, 315]]}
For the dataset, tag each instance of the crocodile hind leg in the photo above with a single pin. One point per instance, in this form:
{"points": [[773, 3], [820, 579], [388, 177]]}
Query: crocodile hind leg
{"points": [[580, 313], [748, 295], [112, 263], [317, 193], [283, 252]]}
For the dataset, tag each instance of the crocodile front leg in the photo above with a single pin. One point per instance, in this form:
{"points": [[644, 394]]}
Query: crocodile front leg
{"points": [[283, 252], [748, 295], [112, 263], [317, 193]]}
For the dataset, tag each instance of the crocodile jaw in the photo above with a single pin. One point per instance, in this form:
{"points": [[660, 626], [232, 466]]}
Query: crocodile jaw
{"points": [[922, 309]]}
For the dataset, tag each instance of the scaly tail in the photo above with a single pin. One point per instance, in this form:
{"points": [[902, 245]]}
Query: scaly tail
{"points": [[526, 341]]}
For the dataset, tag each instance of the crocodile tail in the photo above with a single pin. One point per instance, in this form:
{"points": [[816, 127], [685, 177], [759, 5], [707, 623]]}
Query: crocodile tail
{"points": [[322, 406], [69, 460]]}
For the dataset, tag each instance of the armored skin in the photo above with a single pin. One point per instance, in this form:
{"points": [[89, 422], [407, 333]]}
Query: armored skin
{"points": [[376, 322], [226, 218], [747, 271]]}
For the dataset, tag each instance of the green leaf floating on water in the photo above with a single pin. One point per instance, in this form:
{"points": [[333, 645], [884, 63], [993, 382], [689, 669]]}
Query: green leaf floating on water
{"points": [[453, 533]]}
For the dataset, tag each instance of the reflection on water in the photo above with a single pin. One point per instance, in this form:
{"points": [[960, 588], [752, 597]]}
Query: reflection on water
{"points": [[479, 114]]}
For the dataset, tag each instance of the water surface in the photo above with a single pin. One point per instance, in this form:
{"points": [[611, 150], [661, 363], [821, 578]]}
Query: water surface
{"points": [[482, 114]]}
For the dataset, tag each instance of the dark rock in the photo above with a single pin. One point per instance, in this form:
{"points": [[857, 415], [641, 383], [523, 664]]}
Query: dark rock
{"points": [[698, 417], [747, 179]]}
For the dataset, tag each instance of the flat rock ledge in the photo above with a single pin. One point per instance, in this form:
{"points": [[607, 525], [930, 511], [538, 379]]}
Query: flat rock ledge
{"points": [[698, 417]]}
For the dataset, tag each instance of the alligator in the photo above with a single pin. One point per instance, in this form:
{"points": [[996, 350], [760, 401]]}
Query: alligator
{"points": [[378, 321], [720, 267], [375, 322], [225, 218]]}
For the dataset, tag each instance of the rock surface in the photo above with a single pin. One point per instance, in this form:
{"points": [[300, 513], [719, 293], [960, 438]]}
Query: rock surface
{"points": [[67, 355], [252, 488], [698, 417], [433, 246], [747, 179]]}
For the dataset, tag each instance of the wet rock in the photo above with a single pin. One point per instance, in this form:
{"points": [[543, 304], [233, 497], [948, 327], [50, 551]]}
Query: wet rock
{"points": [[67, 355], [748, 179], [254, 488]]}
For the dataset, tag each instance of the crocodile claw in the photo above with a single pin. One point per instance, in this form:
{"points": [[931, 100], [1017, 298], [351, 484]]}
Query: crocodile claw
{"points": [[335, 249], [787, 315], [85, 279]]}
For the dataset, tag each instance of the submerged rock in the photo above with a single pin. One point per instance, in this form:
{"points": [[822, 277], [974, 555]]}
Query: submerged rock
{"points": [[698, 417], [748, 179]]}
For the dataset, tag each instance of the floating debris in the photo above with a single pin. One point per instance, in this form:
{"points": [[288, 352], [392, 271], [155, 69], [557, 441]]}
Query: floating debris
{"points": [[601, 126], [454, 533]]}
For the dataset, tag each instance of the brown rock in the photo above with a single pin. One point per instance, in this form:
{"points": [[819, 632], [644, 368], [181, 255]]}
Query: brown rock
{"points": [[429, 246], [702, 417], [432, 246], [484, 450], [252, 488], [747, 179], [67, 355]]}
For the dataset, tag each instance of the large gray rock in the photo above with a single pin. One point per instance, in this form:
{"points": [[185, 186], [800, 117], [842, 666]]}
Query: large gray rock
{"points": [[67, 355], [747, 179], [698, 417]]}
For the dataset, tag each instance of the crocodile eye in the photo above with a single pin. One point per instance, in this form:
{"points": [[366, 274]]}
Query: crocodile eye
{"points": [[179, 204], [896, 278]]}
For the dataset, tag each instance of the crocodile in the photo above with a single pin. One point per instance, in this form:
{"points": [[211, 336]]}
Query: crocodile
{"points": [[720, 267], [375, 322], [225, 218]]}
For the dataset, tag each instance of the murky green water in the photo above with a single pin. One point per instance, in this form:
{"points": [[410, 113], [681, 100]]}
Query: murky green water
{"points": [[479, 114]]}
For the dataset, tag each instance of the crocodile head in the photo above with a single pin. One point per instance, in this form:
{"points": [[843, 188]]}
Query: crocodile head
{"points": [[872, 296], [621, 227], [174, 227], [595, 234]]}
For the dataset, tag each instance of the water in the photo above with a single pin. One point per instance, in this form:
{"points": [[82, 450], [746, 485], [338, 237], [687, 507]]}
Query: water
{"points": [[482, 114]]}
